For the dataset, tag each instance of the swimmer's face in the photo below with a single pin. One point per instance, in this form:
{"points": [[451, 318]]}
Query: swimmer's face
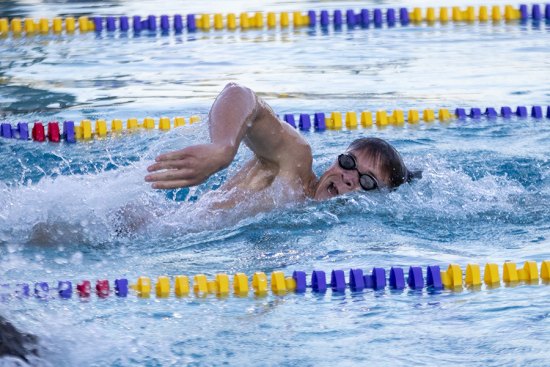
{"points": [[338, 181]]}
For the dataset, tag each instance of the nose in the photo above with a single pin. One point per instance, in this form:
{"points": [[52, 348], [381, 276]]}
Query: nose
{"points": [[349, 178]]}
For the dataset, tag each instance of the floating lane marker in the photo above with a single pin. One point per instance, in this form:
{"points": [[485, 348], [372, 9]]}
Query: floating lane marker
{"points": [[377, 279], [86, 130], [72, 133], [206, 22]]}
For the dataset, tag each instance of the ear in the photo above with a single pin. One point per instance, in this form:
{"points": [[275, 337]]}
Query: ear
{"points": [[414, 175]]}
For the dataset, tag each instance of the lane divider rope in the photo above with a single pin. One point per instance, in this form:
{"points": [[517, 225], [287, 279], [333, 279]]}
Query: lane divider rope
{"points": [[244, 21], [452, 278], [305, 122], [72, 133]]}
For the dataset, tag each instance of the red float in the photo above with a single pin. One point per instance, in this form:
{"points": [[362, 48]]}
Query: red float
{"points": [[53, 132], [84, 288], [102, 288], [38, 132]]}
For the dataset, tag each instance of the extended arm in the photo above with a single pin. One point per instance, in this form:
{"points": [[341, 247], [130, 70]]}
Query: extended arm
{"points": [[236, 115]]}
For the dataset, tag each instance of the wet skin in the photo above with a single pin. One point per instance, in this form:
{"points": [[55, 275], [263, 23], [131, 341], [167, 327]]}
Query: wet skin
{"points": [[338, 181], [280, 152]]}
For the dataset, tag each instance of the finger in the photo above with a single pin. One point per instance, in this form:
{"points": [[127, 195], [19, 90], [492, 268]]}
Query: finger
{"points": [[167, 165], [178, 154], [176, 184], [170, 175]]}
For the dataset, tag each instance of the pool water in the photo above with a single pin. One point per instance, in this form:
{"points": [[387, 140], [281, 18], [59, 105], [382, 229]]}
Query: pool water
{"points": [[484, 197]]}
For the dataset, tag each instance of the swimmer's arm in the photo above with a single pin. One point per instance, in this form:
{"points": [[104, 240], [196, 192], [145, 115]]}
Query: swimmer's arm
{"points": [[236, 115]]}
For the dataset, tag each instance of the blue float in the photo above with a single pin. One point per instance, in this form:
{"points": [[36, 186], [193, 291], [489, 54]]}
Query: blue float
{"points": [[22, 290], [475, 113], [548, 112], [379, 278], [377, 17], [136, 23], [521, 111], [318, 281], [191, 25], [98, 24], [68, 131], [337, 18], [535, 12], [65, 289], [506, 112], [152, 20], [5, 130], [23, 129], [178, 23], [324, 18], [397, 278], [536, 112], [111, 24], [289, 118], [390, 17], [305, 122], [338, 281], [433, 277], [350, 18], [300, 279], [460, 113], [547, 11], [404, 16], [41, 289], [124, 24], [491, 113], [365, 18], [319, 121], [164, 23], [524, 12], [312, 18], [356, 280], [121, 287], [415, 279]]}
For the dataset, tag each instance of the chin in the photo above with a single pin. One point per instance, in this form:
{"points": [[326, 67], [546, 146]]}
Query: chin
{"points": [[321, 196], [322, 193]]}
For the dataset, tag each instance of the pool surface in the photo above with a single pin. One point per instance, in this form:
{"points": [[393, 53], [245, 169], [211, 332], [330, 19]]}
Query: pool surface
{"points": [[484, 197]]}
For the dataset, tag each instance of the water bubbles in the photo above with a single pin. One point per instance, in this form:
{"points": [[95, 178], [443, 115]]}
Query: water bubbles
{"points": [[12, 248], [61, 261], [76, 258]]}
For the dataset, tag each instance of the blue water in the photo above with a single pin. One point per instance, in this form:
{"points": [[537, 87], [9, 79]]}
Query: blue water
{"points": [[485, 195]]}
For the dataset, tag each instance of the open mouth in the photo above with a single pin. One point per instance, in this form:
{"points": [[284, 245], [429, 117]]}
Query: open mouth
{"points": [[332, 190]]}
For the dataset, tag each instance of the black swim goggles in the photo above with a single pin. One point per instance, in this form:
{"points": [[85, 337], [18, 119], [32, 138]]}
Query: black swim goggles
{"points": [[347, 162]]}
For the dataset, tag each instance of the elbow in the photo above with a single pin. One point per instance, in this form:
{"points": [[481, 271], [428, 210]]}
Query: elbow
{"points": [[238, 91], [240, 96], [231, 85]]}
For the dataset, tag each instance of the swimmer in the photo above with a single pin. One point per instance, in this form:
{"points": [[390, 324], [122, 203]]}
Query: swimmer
{"points": [[280, 153]]}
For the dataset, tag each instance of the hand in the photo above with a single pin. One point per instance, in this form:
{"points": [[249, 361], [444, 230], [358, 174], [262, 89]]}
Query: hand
{"points": [[189, 166]]}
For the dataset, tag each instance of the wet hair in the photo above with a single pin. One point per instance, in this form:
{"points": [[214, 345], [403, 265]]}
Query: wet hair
{"points": [[389, 159]]}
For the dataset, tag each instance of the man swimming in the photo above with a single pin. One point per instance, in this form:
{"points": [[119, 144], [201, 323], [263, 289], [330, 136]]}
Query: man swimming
{"points": [[280, 153]]}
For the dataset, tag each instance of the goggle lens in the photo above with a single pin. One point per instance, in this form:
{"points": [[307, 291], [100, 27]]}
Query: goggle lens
{"points": [[347, 162], [367, 182]]}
